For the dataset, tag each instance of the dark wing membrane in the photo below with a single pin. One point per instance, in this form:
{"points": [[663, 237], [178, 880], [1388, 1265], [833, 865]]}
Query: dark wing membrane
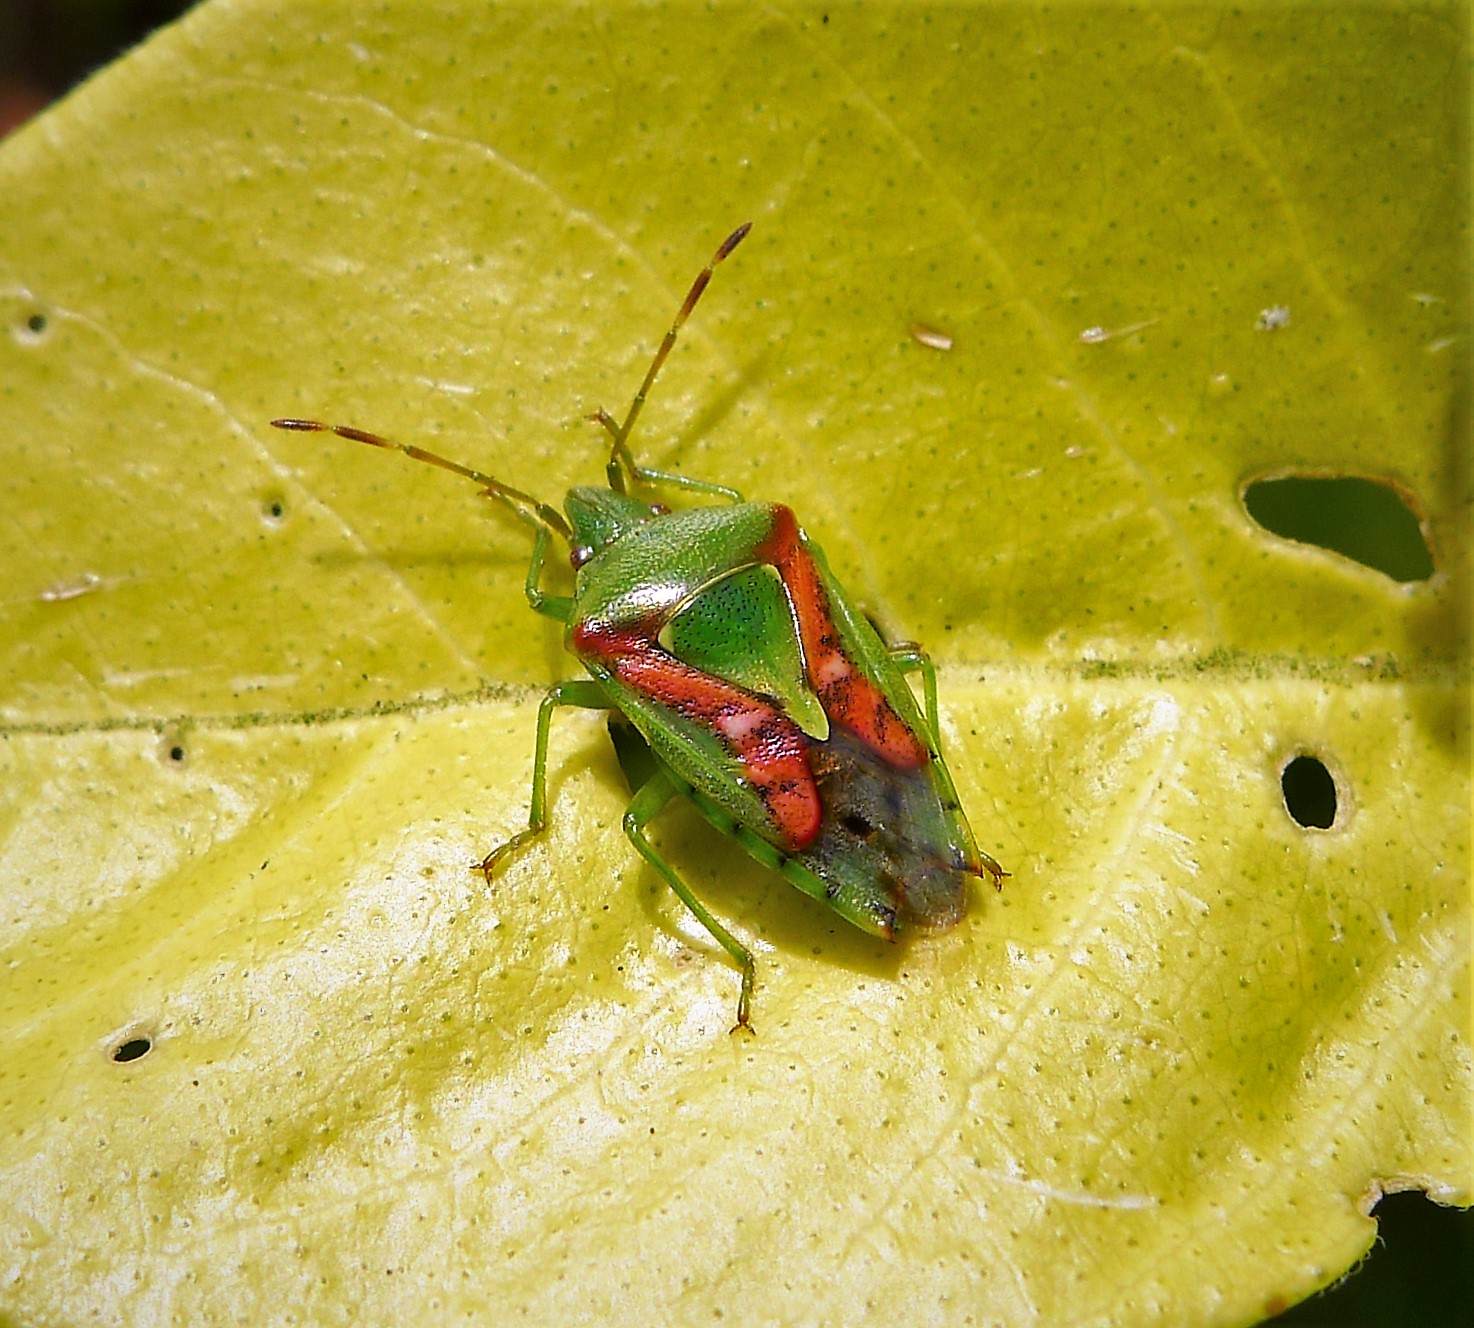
{"points": [[885, 843]]}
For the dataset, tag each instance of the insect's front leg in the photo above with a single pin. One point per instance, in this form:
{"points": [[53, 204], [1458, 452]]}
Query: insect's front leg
{"points": [[577, 692], [653, 795], [622, 460], [553, 606]]}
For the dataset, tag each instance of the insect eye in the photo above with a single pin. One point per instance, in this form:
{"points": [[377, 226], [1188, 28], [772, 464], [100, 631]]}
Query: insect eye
{"points": [[579, 555], [659, 509]]}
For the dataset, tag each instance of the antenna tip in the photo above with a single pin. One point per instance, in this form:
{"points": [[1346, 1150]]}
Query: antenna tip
{"points": [[733, 240]]}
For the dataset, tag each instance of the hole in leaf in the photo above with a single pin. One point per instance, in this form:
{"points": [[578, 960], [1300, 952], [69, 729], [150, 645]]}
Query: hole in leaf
{"points": [[32, 328], [1365, 520], [135, 1048], [173, 748], [1310, 792]]}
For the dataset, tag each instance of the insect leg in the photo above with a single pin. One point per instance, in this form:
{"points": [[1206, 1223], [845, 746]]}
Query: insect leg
{"points": [[554, 606], [649, 475], [578, 692], [621, 460], [911, 657], [994, 868], [645, 806]]}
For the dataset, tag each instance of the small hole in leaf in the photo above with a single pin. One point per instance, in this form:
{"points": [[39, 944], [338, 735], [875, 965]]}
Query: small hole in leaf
{"points": [[1365, 520], [1310, 792], [31, 329], [173, 749], [133, 1049]]}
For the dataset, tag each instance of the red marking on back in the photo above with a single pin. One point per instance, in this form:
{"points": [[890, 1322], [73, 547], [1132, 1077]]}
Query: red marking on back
{"points": [[846, 694], [771, 747]]}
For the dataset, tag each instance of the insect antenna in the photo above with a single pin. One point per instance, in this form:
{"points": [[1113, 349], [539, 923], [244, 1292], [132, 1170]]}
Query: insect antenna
{"points": [[523, 504], [621, 460]]}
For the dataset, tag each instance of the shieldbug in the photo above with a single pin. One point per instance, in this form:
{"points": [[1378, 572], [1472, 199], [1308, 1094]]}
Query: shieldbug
{"points": [[764, 695]]}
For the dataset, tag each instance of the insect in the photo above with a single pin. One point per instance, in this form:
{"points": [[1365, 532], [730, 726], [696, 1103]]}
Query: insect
{"points": [[764, 695]]}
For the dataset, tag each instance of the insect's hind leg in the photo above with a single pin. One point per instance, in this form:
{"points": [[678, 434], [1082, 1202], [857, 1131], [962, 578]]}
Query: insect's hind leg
{"points": [[911, 657], [652, 797]]}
